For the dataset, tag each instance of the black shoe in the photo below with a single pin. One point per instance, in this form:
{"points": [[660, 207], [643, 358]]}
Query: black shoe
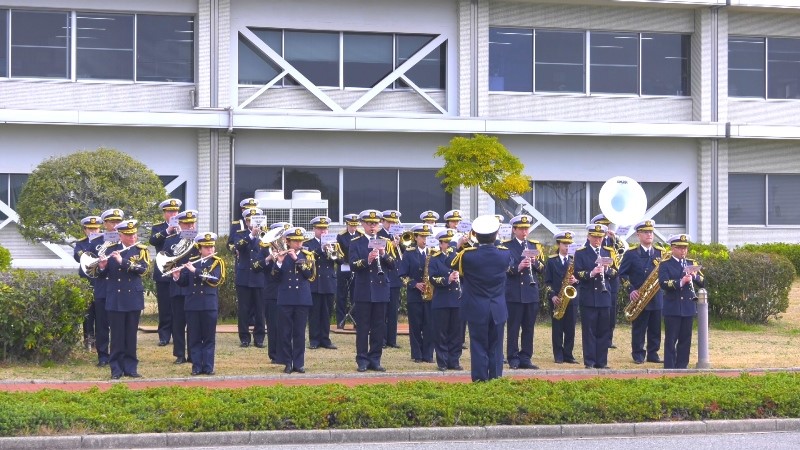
{"points": [[180, 360], [458, 367], [586, 366], [163, 343], [657, 361], [441, 368], [612, 346], [330, 346], [259, 344], [361, 368], [604, 367], [638, 361], [571, 361], [287, 369], [133, 375], [429, 361], [528, 366], [116, 377], [102, 363], [417, 360], [300, 369], [463, 346], [558, 361], [313, 347], [377, 369], [211, 373], [394, 346], [196, 373], [274, 361], [244, 344], [385, 346], [513, 366]]}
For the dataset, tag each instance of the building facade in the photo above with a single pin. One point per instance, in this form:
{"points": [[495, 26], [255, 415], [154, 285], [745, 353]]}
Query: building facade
{"points": [[696, 100]]}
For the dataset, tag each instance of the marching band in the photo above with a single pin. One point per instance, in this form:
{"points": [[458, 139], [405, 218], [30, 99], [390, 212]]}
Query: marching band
{"points": [[455, 278]]}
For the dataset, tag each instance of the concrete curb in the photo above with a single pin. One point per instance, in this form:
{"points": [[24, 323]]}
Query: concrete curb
{"points": [[383, 435]]}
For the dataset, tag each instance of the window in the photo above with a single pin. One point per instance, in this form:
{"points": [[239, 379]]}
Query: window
{"points": [[747, 199], [366, 59], [560, 61], [420, 190], [783, 68], [614, 63], [783, 207], [555, 61], [674, 214], [561, 201], [179, 192], [3, 42], [369, 188], [165, 48], [104, 46], [510, 60], [10, 187], [40, 43], [665, 64]]}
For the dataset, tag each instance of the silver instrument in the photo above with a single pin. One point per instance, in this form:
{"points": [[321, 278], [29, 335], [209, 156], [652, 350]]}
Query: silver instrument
{"points": [[274, 239], [690, 270], [90, 262], [378, 258], [165, 262], [201, 260]]}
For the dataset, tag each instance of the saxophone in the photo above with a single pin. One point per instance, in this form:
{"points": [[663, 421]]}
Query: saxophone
{"points": [[566, 293], [647, 291], [427, 292]]}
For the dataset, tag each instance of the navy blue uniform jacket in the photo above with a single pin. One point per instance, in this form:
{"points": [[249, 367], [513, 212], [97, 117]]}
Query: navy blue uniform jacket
{"points": [[677, 300], [518, 284], [124, 288], [412, 267], [483, 279], [204, 291], [294, 288], [370, 286], [445, 294], [635, 267], [325, 281], [590, 289]]}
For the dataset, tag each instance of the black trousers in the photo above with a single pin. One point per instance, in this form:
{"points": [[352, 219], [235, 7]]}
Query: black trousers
{"points": [[370, 332], [319, 322], [164, 311], [202, 327], [252, 304], [448, 342], [563, 334], [292, 322], [420, 330], [179, 332], [521, 320], [596, 335], [677, 341], [124, 326], [101, 329], [88, 321], [612, 313], [392, 309], [647, 324], [272, 329], [344, 291]]}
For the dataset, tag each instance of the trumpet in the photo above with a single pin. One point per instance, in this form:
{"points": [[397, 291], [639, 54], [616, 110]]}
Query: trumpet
{"points": [[331, 252], [201, 260], [406, 240]]}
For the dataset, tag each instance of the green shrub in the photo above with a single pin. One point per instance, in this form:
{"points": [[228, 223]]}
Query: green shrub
{"points": [[41, 314], [5, 259], [791, 251], [227, 291], [750, 287]]}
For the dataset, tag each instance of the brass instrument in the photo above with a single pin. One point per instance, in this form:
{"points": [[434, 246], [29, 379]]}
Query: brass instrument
{"points": [[90, 261], [274, 239], [332, 252], [566, 293], [647, 290], [165, 262], [406, 240], [427, 290]]}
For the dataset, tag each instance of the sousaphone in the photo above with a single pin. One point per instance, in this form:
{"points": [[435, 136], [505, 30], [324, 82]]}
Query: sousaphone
{"points": [[623, 201]]}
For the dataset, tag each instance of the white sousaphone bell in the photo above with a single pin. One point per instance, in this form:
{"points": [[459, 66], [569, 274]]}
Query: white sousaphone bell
{"points": [[623, 201]]}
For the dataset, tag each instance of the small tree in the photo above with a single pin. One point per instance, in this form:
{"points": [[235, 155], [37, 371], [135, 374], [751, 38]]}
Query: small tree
{"points": [[484, 162], [62, 190]]}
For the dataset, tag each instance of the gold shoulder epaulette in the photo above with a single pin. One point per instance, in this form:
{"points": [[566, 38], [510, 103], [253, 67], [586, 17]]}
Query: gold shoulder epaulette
{"points": [[194, 258], [583, 247], [307, 240], [235, 222], [308, 253], [553, 256], [505, 241], [85, 238], [534, 241], [343, 232], [357, 237], [384, 238], [159, 223], [609, 248], [143, 246], [435, 253], [657, 247], [501, 247], [410, 247]]}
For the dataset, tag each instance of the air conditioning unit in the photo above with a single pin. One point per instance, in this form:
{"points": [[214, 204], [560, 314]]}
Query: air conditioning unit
{"points": [[304, 205]]}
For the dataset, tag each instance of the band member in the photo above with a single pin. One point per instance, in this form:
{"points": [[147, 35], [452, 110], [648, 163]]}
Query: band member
{"points": [[429, 217], [452, 218], [522, 293], [203, 274], [239, 226], [91, 228], [563, 329], [680, 297], [182, 248], [593, 276], [482, 270], [447, 323], [391, 217], [111, 218], [611, 240], [323, 287], [124, 268], [414, 264], [263, 263], [371, 290], [638, 262], [250, 286], [295, 269], [158, 235], [344, 275]]}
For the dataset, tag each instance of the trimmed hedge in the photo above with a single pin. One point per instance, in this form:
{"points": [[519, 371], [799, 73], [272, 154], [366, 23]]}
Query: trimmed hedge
{"points": [[41, 314], [790, 251], [408, 404], [5, 259]]}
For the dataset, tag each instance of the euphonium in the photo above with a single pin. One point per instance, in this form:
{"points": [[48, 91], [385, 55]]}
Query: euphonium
{"points": [[165, 262], [406, 240], [427, 292], [331, 252], [647, 291], [89, 262], [566, 293]]}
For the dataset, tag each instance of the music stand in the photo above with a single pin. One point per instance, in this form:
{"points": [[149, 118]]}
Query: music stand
{"points": [[352, 305]]}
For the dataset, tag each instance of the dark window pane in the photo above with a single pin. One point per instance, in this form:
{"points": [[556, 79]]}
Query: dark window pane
{"points": [[506, 208], [672, 214], [367, 58], [560, 61], [783, 68], [420, 190], [179, 192], [325, 180], [254, 66], [17, 181], [614, 63], [561, 201], [511, 59], [784, 203], [746, 199], [3, 43], [314, 54], [431, 72], [165, 48], [105, 46], [4, 193], [665, 64], [369, 189], [251, 178], [40, 44], [746, 56]]}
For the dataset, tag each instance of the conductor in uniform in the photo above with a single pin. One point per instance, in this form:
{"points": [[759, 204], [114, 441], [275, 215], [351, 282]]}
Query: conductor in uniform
{"points": [[563, 329], [124, 267], [594, 294], [370, 291], [482, 270], [638, 262], [680, 302], [158, 236], [323, 288]]}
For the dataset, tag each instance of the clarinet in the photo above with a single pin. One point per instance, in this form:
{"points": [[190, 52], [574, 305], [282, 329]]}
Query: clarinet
{"points": [[378, 259]]}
